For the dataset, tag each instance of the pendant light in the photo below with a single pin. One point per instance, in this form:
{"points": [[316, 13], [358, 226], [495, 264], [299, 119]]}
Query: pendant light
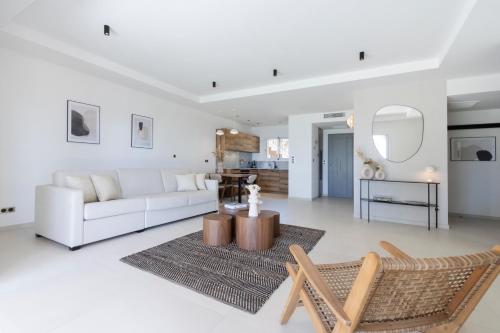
{"points": [[219, 132]]}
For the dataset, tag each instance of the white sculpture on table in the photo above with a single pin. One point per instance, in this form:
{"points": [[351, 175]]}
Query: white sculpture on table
{"points": [[253, 200]]}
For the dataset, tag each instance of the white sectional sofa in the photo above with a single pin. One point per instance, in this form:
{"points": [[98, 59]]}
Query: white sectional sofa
{"points": [[149, 198]]}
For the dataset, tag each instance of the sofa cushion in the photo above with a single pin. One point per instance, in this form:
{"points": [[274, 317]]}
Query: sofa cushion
{"points": [[97, 210], [166, 200], [186, 183], [200, 197], [169, 179], [136, 182], [200, 181], [59, 177], [106, 187], [84, 184]]}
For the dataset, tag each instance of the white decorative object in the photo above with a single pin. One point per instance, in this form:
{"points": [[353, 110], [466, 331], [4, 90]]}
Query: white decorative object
{"points": [[367, 171], [429, 170], [379, 173], [220, 167], [253, 200]]}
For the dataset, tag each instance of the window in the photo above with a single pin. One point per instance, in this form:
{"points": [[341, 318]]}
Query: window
{"points": [[277, 148]]}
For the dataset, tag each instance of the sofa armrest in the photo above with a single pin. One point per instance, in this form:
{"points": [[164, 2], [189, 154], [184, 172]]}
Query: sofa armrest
{"points": [[212, 184], [59, 214]]}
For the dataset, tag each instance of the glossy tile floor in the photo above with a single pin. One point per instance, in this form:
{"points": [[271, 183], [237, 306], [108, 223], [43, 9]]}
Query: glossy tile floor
{"points": [[46, 288]]}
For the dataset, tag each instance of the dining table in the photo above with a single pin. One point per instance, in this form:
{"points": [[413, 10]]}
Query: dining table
{"points": [[239, 177]]}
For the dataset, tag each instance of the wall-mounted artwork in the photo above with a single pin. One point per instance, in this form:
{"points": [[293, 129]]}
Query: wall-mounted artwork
{"points": [[473, 149], [83, 123], [142, 132]]}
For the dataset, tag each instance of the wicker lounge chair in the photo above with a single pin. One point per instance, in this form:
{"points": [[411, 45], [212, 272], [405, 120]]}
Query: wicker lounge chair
{"points": [[398, 294]]}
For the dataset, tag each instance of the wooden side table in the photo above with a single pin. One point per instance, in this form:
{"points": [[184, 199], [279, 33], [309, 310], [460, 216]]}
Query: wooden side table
{"points": [[217, 229], [276, 220], [254, 233]]}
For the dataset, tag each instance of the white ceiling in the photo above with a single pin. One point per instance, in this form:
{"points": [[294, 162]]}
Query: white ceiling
{"points": [[178, 47], [485, 101]]}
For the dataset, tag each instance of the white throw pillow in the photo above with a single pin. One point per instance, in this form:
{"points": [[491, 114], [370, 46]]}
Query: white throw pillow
{"points": [[84, 184], [200, 181], [106, 187], [186, 183]]}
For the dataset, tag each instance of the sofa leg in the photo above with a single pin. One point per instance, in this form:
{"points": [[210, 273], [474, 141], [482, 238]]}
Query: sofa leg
{"points": [[139, 231], [74, 248]]}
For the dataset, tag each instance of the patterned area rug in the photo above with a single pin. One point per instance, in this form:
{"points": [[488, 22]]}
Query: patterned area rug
{"points": [[243, 279]]}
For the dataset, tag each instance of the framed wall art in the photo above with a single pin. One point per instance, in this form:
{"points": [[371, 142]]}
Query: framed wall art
{"points": [[473, 148], [142, 132], [83, 123]]}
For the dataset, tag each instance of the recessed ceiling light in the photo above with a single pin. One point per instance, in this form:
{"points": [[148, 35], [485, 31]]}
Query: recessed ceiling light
{"points": [[107, 30], [459, 105]]}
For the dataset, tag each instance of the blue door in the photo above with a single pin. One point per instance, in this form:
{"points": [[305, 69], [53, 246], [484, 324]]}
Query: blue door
{"points": [[340, 158]]}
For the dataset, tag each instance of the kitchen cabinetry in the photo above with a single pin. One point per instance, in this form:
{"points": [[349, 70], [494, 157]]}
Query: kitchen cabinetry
{"points": [[269, 180], [239, 142]]}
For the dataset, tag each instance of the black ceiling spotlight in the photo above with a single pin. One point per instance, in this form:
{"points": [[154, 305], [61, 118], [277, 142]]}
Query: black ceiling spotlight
{"points": [[361, 55], [275, 72], [106, 30], [214, 84]]}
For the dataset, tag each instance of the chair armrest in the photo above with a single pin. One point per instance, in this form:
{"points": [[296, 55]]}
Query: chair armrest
{"points": [[59, 214], [394, 251], [314, 278], [212, 184]]}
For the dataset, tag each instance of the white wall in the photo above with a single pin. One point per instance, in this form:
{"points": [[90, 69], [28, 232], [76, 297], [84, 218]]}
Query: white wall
{"points": [[429, 97], [327, 132], [303, 131], [474, 186], [267, 132], [33, 96]]}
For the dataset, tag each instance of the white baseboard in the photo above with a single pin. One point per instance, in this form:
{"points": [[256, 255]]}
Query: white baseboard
{"points": [[17, 226], [471, 216]]}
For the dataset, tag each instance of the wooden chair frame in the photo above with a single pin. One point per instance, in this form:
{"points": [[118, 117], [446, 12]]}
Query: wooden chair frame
{"points": [[349, 314]]}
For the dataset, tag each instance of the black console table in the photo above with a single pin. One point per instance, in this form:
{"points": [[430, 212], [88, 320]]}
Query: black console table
{"points": [[427, 204]]}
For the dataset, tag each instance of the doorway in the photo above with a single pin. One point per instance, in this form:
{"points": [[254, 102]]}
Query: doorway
{"points": [[340, 165]]}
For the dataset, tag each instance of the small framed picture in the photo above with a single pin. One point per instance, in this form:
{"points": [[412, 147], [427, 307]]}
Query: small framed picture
{"points": [[83, 123], [473, 148], [142, 132]]}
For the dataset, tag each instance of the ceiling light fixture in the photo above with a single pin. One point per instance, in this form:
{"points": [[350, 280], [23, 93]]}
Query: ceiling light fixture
{"points": [[214, 84], [275, 72], [107, 30], [219, 132], [234, 131], [361, 55]]}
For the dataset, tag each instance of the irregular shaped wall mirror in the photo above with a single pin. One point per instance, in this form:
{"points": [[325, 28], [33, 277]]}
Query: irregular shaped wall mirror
{"points": [[397, 132]]}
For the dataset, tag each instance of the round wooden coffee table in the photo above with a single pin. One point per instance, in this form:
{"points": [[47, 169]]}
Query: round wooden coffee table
{"points": [[254, 233], [276, 220], [232, 212], [217, 229]]}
